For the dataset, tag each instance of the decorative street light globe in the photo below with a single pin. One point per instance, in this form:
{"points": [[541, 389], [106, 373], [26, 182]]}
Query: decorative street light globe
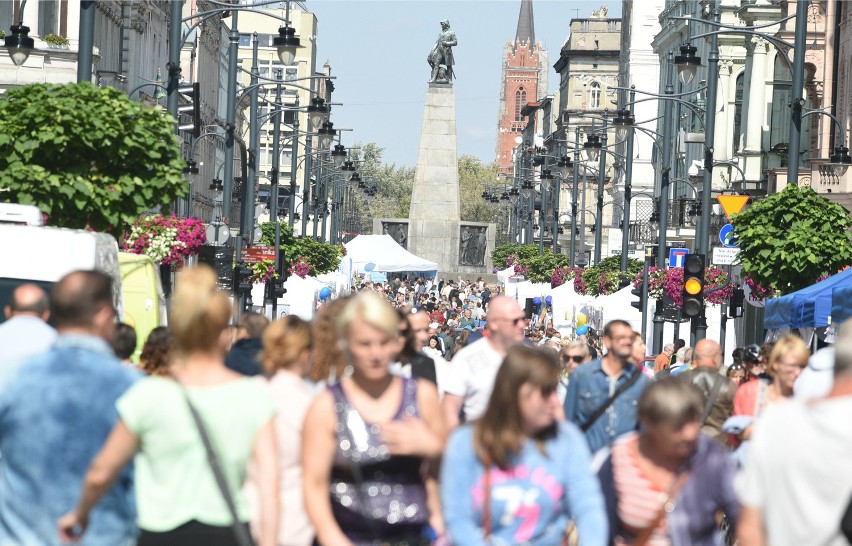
{"points": [[840, 160], [287, 43], [592, 147], [526, 189], [623, 123], [546, 179], [19, 44], [326, 135], [514, 195], [565, 165], [317, 112], [338, 155], [687, 63]]}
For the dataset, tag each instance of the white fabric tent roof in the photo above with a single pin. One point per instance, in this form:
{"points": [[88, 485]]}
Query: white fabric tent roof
{"points": [[386, 255]]}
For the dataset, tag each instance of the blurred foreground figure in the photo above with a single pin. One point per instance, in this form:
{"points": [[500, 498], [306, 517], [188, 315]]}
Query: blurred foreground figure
{"points": [[56, 410], [797, 482]]}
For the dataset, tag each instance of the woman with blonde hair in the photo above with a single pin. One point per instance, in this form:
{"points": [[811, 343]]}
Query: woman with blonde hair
{"points": [[286, 358], [518, 474], [367, 440], [788, 358], [172, 424]]}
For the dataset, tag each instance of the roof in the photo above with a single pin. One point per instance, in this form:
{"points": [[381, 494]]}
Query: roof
{"points": [[526, 26]]}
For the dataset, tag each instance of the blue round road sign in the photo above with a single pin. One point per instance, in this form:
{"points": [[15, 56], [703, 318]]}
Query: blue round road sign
{"points": [[727, 236]]}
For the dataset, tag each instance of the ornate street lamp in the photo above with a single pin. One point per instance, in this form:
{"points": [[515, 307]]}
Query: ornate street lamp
{"points": [[348, 170], [514, 195], [338, 155], [565, 165], [623, 123], [687, 63], [592, 147], [317, 112], [287, 43], [326, 135], [526, 189], [19, 44], [217, 185], [840, 160], [546, 179]]}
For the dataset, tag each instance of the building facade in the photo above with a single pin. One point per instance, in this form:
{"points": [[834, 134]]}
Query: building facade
{"points": [[524, 80]]}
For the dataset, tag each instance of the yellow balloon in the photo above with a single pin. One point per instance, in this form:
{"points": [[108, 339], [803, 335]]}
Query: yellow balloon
{"points": [[582, 319]]}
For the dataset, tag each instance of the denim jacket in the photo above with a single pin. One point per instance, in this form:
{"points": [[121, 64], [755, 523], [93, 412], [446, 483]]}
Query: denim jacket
{"points": [[56, 411], [589, 387]]}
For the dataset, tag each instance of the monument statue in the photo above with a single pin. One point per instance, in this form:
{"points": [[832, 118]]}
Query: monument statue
{"points": [[441, 56], [398, 231]]}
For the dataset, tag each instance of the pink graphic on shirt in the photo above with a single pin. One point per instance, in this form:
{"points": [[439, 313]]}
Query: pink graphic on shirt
{"points": [[520, 499]]}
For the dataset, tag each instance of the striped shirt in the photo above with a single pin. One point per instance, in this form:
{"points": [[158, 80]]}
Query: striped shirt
{"points": [[639, 498]]}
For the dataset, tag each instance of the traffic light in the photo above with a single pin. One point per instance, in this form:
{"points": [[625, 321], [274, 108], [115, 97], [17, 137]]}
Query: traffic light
{"points": [[242, 285], [192, 107], [693, 285], [735, 305], [275, 288], [640, 304]]}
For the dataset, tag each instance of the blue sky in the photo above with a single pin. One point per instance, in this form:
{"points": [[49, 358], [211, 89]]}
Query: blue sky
{"points": [[377, 51]]}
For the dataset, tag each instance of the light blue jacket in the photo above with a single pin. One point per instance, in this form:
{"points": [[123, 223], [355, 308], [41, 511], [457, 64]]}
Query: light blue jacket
{"points": [[56, 411], [531, 500]]}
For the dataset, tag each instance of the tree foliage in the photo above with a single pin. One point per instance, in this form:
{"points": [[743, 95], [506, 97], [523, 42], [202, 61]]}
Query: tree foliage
{"points": [[501, 255], [791, 238], [606, 277], [394, 184], [473, 178], [323, 257], [87, 156]]}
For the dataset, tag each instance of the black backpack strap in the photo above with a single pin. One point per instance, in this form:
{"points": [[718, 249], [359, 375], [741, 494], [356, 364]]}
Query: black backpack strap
{"points": [[711, 400]]}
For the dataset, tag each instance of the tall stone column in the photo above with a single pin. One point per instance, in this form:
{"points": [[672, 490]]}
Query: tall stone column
{"points": [[435, 212], [755, 116]]}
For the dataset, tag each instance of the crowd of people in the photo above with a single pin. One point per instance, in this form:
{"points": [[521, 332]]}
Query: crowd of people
{"points": [[407, 414]]}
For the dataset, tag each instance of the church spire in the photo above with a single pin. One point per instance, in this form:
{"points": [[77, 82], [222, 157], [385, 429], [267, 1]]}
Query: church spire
{"points": [[526, 28]]}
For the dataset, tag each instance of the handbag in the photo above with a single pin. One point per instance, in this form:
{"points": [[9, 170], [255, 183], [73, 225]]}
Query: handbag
{"points": [[241, 534], [605, 406]]}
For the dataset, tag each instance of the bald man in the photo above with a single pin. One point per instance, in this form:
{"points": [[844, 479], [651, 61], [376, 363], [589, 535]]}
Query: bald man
{"points": [[475, 367], [25, 332], [718, 390]]}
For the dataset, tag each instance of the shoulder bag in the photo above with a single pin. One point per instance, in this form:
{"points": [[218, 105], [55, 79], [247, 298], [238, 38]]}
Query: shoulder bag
{"points": [[714, 394], [605, 406], [241, 534]]}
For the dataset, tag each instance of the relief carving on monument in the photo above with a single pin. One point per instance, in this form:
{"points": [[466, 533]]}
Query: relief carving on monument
{"points": [[398, 231], [472, 245]]}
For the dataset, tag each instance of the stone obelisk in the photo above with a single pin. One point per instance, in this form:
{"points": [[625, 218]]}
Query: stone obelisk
{"points": [[433, 228]]}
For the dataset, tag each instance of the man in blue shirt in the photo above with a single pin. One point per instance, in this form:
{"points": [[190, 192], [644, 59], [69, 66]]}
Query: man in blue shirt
{"points": [[56, 411], [593, 384]]}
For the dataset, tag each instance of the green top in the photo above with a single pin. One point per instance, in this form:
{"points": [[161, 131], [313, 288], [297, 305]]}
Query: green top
{"points": [[174, 482]]}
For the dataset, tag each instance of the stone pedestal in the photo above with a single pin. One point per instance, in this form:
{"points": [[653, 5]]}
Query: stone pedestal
{"points": [[433, 226]]}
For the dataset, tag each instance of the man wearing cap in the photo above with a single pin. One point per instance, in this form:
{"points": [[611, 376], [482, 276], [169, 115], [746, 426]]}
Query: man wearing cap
{"points": [[475, 366]]}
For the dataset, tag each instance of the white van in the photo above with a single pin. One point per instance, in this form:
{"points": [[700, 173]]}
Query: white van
{"points": [[43, 255], [22, 215]]}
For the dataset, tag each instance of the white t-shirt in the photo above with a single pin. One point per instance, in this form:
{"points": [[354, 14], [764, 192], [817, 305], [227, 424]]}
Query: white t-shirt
{"points": [[474, 369], [799, 471]]}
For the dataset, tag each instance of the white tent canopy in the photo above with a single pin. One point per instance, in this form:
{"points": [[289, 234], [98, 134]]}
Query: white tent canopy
{"points": [[385, 255]]}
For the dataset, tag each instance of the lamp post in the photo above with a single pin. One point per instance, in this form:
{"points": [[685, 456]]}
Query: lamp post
{"points": [[600, 196], [624, 128], [575, 189], [564, 167]]}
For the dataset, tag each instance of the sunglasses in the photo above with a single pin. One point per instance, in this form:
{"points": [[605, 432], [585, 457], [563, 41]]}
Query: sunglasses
{"points": [[576, 358]]}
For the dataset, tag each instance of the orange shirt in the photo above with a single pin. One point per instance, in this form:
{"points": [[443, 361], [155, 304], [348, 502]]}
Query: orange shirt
{"points": [[662, 361]]}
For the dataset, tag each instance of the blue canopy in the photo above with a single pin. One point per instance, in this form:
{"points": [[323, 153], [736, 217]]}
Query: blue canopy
{"points": [[809, 307], [841, 304]]}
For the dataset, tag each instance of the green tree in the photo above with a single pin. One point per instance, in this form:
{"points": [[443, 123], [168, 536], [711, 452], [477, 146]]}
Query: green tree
{"points": [[323, 257], [473, 178], [791, 238], [500, 254], [540, 268], [605, 277], [87, 156], [394, 184]]}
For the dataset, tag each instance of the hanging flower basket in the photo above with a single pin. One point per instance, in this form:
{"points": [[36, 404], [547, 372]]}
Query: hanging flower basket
{"points": [[168, 240], [758, 292], [262, 272], [301, 267], [669, 282]]}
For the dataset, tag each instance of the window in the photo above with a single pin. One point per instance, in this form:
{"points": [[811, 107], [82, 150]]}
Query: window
{"points": [[48, 17], [595, 95], [738, 112], [520, 102], [779, 124]]}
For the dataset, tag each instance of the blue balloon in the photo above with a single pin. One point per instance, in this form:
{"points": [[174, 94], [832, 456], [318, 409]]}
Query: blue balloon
{"points": [[536, 301], [324, 293], [582, 330], [369, 267], [548, 300]]}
